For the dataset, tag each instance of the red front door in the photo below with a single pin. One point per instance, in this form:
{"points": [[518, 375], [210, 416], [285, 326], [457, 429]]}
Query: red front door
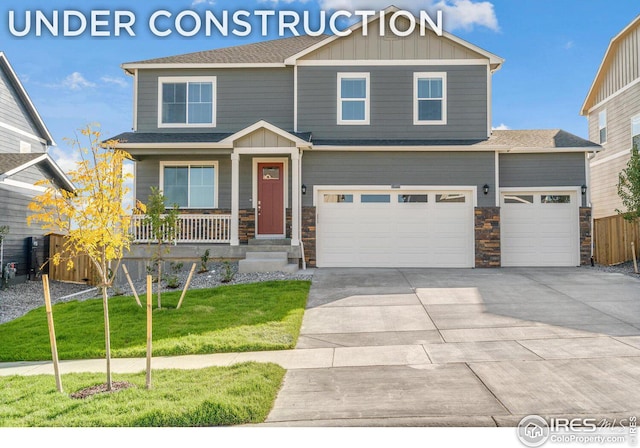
{"points": [[270, 198]]}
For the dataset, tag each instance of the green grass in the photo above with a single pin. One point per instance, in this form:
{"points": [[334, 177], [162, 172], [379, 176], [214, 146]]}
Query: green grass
{"points": [[215, 396], [251, 317]]}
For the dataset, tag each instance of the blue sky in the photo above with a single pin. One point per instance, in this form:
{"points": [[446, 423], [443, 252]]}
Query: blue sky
{"points": [[552, 49]]}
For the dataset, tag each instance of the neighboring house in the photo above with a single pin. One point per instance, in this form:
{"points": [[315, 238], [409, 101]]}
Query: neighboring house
{"points": [[612, 107], [371, 151], [24, 140]]}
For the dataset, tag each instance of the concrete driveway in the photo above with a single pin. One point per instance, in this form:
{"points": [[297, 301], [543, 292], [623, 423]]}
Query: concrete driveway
{"points": [[465, 347]]}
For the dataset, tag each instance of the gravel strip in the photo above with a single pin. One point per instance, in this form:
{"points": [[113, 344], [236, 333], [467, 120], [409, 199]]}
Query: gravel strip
{"points": [[19, 299], [623, 268]]}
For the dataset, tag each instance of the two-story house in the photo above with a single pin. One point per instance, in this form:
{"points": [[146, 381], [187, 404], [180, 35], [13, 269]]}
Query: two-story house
{"points": [[612, 107], [361, 151], [24, 140]]}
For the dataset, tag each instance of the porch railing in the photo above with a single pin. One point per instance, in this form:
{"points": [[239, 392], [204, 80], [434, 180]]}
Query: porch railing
{"points": [[190, 229]]}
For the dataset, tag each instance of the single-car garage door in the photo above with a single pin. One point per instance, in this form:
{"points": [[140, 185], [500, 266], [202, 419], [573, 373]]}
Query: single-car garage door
{"points": [[395, 228], [539, 228]]}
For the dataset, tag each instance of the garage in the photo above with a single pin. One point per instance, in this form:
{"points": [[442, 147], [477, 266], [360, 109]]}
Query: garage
{"points": [[395, 228], [540, 228]]}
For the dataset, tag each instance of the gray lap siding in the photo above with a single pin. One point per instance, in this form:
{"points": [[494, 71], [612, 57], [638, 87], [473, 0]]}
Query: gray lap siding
{"points": [[391, 103]]}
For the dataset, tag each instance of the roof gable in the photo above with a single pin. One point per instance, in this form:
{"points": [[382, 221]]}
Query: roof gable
{"points": [[12, 164], [6, 67], [627, 40], [264, 134]]}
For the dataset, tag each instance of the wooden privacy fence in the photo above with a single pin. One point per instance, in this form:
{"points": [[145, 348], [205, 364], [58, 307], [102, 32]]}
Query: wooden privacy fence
{"points": [[83, 270], [612, 239]]}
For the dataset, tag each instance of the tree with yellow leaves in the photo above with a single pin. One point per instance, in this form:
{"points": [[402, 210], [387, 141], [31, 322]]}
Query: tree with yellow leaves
{"points": [[94, 218]]}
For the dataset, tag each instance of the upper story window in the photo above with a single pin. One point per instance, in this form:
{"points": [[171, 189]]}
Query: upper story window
{"points": [[190, 185], [635, 132], [353, 98], [186, 102], [430, 98], [602, 126]]}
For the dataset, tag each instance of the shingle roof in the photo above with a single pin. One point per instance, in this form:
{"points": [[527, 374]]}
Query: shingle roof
{"points": [[184, 137], [9, 162], [538, 138], [271, 51]]}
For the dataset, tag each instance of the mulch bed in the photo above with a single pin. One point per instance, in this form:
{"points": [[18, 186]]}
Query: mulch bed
{"points": [[101, 389]]}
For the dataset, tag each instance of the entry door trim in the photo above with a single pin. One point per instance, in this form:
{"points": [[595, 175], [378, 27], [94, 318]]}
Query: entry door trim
{"points": [[254, 200]]}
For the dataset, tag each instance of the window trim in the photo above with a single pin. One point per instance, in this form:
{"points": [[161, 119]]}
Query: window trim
{"points": [[634, 120], [416, 101], [188, 79], [600, 128], [367, 99], [181, 163]]}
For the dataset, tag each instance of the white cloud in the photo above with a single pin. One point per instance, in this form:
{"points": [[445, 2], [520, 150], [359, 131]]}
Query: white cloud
{"points": [[75, 81], [502, 127], [114, 80], [569, 45], [195, 3], [457, 14], [66, 159]]}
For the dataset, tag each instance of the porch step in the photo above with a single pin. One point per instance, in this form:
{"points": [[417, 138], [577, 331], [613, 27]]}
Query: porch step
{"points": [[266, 262], [270, 242]]}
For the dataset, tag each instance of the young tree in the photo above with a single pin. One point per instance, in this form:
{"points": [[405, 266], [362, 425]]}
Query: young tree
{"points": [[93, 217], [629, 187], [163, 223]]}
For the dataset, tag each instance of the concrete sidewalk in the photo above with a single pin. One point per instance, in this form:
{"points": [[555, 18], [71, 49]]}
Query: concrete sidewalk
{"points": [[417, 347]]}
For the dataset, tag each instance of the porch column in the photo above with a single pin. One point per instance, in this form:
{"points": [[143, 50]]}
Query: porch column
{"points": [[235, 199], [295, 199]]}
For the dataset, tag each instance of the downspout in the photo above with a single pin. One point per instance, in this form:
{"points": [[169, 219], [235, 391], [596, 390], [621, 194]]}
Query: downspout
{"points": [[588, 200]]}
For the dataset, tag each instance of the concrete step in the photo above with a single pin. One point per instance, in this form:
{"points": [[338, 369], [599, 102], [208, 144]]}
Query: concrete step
{"points": [[266, 262], [270, 242], [266, 256]]}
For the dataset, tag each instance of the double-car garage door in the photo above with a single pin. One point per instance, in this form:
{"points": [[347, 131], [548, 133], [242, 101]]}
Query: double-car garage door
{"points": [[435, 228], [395, 228]]}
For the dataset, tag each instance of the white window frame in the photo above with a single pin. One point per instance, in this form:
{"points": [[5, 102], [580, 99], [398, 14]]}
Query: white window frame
{"points": [[600, 127], [367, 99], [188, 79], [416, 101], [196, 163], [634, 121]]}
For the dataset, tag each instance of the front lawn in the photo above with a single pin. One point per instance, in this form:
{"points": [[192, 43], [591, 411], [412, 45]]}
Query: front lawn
{"points": [[249, 317], [243, 393]]}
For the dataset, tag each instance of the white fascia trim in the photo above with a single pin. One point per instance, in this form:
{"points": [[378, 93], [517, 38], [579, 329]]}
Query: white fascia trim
{"points": [[483, 148], [612, 96], [467, 188], [390, 62], [182, 145], [14, 129], [136, 79], [130, 67], [11, 184], [551, 150], [30, 104], [610, 158], [268, 126], [188, 79], [189, 163]]}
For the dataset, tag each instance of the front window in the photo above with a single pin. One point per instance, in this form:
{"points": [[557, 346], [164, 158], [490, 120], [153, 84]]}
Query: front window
{"points": [[602, 126], [430, 98], [353, 98], [190, 186], [186, 101], [635, 132]]}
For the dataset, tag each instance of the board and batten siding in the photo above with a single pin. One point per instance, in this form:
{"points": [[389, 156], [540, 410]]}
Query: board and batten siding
{"points": [[148, 175], [623, 65], [392, 103], [244, 96], [542, 170], [13, 113], [399, 168], [604, 175]]}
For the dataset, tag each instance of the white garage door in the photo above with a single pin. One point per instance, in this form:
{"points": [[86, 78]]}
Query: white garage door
{"points": [[395, 228], [540, 228]]}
